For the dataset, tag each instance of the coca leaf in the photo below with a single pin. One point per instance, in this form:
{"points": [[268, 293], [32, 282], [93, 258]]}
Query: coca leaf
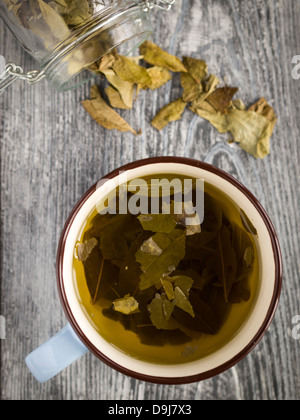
{"points": [[130, 71], [248, 225], [113, 245], [182, 302], [160, 310], [158, 264], [185, 283], [158, 223], [125, 89], [103, 114], [115, 98], [204, 321], [159, 77], [84, 249], [169, 113], [154, 55], [168, 288], [226, 263], [221, 99], [196, 68], [127, 305]]}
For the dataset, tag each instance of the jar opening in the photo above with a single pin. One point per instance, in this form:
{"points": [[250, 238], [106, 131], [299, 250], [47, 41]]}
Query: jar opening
{"points": [[124, 28]]}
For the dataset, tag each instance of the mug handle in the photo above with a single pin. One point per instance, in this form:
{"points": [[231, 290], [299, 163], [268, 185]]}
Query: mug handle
{"points": [[56, 354]]}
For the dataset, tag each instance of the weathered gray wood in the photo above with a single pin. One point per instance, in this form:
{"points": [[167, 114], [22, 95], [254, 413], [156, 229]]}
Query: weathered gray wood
{"points": [[51, 152]]}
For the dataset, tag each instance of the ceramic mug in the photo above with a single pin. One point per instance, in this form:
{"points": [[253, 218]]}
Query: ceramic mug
{"points": [[79, 336]]}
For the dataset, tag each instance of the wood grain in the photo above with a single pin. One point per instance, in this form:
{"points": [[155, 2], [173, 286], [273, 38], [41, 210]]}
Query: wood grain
{"points": [[52, 152]]}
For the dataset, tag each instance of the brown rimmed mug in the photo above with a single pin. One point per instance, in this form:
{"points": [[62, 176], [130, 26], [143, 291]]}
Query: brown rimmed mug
{"points": [[79, 336]]}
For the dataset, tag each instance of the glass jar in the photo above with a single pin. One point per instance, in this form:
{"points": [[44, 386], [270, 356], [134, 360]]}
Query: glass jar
{"points": [[67, 36]]}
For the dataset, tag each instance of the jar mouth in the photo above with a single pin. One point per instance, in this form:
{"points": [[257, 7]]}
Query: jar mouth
{"points": [[126, 27]]}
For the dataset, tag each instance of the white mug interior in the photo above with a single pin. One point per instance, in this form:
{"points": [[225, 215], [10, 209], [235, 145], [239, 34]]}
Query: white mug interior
{"points": [[243, 338]]}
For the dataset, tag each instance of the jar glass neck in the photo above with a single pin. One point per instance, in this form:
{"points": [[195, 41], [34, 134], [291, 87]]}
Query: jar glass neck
{"points": [[123, 27]]}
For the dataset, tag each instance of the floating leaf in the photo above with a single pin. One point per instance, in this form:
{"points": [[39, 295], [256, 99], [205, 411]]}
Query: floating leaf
{"points": [[158, 223], [188, 219], [239, 293], [168, 288], [113, 245], [127, 305], [104, 114], [226, 263], [160, 313], [185, 283], [158, 265], [171, 112], [84, 249], [204, 321], [248, 225], [100, 275], [182, 302], [154, 55]]}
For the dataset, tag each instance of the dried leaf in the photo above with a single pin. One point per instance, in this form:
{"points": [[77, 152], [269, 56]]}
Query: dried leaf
{"points": [[103, 114], [252, 131], [221, 99], [125, 89], [171, 112], [55, 22], [105, 63], [209, 87], [196, 68], [154, 55], [209, 113], [192, 82], [130, 71], [191, 89], [115, 98], [74, 12], [159, 77]]}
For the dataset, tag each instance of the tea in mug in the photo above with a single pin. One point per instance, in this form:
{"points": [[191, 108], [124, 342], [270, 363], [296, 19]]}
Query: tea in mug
{"points": [[163, 282]]}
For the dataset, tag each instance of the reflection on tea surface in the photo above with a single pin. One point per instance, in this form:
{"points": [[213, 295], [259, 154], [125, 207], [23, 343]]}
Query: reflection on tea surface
{"points": [[164, 290]]}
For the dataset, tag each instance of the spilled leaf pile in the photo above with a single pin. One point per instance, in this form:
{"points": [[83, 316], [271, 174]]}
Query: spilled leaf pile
{"points": [[157, 276], [251, 128]]}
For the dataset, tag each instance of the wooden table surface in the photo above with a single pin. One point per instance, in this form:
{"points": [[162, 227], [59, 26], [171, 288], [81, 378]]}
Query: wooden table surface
{"points": [[52, 152]]}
